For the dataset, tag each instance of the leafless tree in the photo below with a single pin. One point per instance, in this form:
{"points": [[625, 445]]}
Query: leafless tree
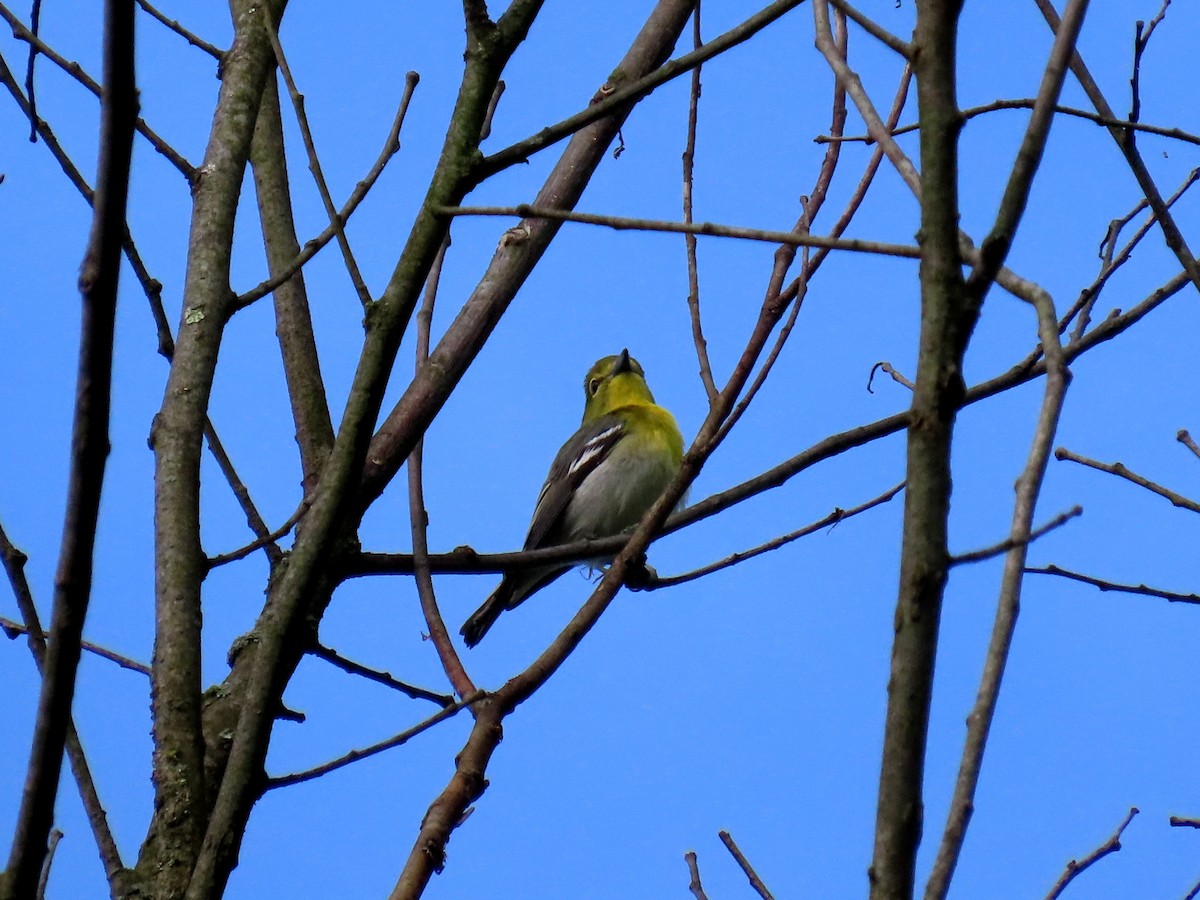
{"points": [[210, 745]]}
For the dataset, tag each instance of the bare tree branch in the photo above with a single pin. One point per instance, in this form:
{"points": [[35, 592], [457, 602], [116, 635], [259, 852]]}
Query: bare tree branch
{"points": [[35, 16], [1119, 469], [98, 279], [314, 165], [899, 159], [293, 319], [1113, 586], [873, 28], [1028, 488], [390, 148], [355, 755], [860, 192], [173, 846], [212, 50], [13, 630], [242, 552], [694, 872], [153, 290], [1012, 542], [835, 517], [1087, 298], [736, 853], [77, 72], [689, 238], [1112, 845], [14, 566], [419, 516], [973, 112], [889, 369], [625, 223], [611, 101], [786, 254], [385, 678], [1141, 40], [994, 249], [44, 877], [947, 321], [298, 597], [1186, 439], [1126, 140]]}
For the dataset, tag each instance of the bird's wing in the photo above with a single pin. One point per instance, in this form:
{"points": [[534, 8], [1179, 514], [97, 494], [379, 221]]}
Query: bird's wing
{"points": [[580, 455]]}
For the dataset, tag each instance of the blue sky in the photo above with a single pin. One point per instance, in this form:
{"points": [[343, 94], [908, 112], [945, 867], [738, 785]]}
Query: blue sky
{"points": [[751, 700]]}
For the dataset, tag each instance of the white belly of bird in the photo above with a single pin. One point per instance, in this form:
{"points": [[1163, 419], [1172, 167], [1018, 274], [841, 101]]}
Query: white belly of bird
{"points": [[616, 495]]}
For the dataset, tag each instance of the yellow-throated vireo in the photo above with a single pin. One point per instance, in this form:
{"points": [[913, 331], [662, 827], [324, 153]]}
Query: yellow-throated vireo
{"points": [[602, 481]]}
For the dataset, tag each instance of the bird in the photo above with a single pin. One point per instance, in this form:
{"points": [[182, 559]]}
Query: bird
{"points": [[602, 481]]}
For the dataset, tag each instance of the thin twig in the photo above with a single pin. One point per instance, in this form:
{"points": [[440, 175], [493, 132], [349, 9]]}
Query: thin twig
{"points": [[1026, 103], [1112, 845], [854, 87], [1141, 40], [1114, 586], [624, 223], [242, 552], [776, 297], [1108, 245], [864, 184], [486, 130], [1183, 822], [689, 239], [15, 629], [838, 515], [151, 286], [14, 561], [1125, 136], [212, 50], [44, 878], [314, 165], [35, 17], [735, 851], [355, 755], [419, 517], [385, 678], [390, 147], [889, 369], [628, 94], [786, 254], [995, 247], [76, 71], [694, 876], [254, 519], [1007, 279], [1010, 542], [1185, 438], [873, 28], [1087, 298], [1119, 469]]}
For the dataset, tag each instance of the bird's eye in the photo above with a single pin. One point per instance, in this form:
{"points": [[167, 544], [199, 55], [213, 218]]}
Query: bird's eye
{"points": [[593, 386]]}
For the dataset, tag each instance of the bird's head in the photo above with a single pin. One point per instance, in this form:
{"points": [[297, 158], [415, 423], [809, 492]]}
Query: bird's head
{"points": [[613, 382]]}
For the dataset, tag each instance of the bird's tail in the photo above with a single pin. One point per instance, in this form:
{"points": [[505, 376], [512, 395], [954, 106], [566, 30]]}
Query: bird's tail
{"points": [[511, 593], [485, 617]]}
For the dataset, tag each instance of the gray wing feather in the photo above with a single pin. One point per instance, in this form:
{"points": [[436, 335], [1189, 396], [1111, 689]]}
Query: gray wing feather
{"points": [[578, 458]]}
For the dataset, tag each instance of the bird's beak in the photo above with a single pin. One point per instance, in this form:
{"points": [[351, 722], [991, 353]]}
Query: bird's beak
{"points": [[623, 363]]}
